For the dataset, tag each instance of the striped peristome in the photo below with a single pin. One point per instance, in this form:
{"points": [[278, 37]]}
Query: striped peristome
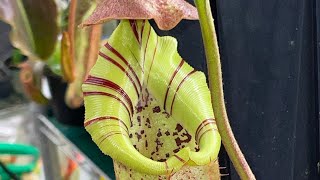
{"points": [[146, 107]]}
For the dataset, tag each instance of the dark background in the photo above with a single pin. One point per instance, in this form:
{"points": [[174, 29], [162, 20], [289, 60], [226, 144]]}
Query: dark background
{"points": [[270, 65]]}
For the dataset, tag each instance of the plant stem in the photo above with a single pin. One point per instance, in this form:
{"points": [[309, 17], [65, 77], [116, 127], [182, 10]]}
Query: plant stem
{"points": [[216, 88], [71, 32]]}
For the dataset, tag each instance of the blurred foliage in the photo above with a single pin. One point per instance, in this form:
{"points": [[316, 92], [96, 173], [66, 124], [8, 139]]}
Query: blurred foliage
{"points": [[37, 28], [54, 60], [17, 57], [34, 27]]}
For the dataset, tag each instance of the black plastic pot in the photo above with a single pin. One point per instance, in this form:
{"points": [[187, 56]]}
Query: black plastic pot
{"points": [[61, 111]]}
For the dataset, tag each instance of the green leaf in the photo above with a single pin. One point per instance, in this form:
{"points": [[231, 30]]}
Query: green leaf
{"points": [[146, 107], [17, 58], [54, 60], [34, 26]]}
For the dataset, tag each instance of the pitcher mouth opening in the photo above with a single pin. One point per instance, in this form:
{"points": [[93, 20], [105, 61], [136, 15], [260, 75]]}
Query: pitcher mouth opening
{"points": [[159, 137], [155, 134]]}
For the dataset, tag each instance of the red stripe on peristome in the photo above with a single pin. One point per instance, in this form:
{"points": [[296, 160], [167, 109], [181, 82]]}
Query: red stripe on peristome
{"points": [[122, 69], [136, 59], [175, 93], [110, 48], [206, 132], [171, 174], [142, 28], [172, 77], [109, 95], [179, 158], [167, 168], [102, 118], [154, 53], [145, 50], [92, 80], [108, 125], [111, 134], [134, 29], [203, 124], [137, 29]]}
